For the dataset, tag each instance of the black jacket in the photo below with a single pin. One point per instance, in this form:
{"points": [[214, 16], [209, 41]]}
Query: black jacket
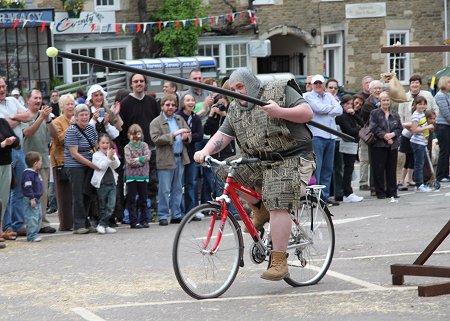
{"points": [[379, 125], [5, 132], [211, 126]]}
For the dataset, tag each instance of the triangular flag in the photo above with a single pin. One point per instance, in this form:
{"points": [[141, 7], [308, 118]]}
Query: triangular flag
{"points": [[124, 27], [177, 24], [188, 23], [200, 22], [196, 22], [16, 23], [211, 20], [252, 20], [151, 27], [184, 23], [166, 23], [43, 26], [242, 14], [159, 25], [24, 23], [92, 27], [229, 17], [132, 28], [138, 29], [249, 13], [117, 28], [52, 25], [108, 27], [145, 28]]}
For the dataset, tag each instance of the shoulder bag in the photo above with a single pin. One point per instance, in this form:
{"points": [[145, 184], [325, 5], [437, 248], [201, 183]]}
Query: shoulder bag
{"points": [[366, 135]]}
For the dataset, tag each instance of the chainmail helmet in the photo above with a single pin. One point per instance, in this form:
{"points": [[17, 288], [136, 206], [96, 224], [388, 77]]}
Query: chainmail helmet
{"points": [[252, 84]]}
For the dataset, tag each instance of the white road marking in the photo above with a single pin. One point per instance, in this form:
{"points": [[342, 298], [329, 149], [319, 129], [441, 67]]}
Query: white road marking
{"points": [[268, 296], [385, 255], [87, 315], [350, 220], [356, 281]]}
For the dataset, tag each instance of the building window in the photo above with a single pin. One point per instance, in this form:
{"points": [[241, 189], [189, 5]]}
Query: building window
{"points": [[210, 50], [114, 53], [236, 56], [81, 70], [399, 61], [229, 55], [333, 60], [106, 5]]}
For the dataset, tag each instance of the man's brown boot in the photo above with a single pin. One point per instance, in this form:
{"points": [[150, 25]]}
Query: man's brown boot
{"points": [[278, 269], [260, 215]]}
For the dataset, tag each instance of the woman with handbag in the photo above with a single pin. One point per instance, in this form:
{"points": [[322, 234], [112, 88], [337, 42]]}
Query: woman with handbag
{"points": [[79, 146], [350, 124], [63, 190], [386, 125]]}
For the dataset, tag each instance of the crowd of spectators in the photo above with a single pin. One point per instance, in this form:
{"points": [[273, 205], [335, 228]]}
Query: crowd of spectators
{"points": [[143, 148]]}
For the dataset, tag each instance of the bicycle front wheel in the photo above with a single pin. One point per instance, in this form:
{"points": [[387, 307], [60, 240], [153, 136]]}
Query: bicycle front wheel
{"points": [[201, 272], [311, 245]]}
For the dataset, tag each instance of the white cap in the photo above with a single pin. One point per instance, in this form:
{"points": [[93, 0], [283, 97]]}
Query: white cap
{"points": [[15, 91], [317, 78], [94, 89]]}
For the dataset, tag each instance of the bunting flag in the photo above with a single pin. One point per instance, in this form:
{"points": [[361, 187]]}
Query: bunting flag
{"points": [[136, 27]]}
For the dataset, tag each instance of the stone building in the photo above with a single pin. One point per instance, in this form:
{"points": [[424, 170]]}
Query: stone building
{"points": [[337, 38]]}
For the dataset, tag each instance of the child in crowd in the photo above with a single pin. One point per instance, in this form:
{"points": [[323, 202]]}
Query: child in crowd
{"points": [[137, 156], [419, 141], [105, 180], [32, 190]]}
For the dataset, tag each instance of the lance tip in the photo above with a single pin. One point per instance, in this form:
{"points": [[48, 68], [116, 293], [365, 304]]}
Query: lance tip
{"points": [[51, 52]]}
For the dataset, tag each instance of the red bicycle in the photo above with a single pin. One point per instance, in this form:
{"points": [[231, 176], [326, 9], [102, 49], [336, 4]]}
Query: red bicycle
{"points": [[207, 254]]}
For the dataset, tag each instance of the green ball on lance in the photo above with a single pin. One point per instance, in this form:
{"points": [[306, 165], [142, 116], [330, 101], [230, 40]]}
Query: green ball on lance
{"points": [[51, 52]]}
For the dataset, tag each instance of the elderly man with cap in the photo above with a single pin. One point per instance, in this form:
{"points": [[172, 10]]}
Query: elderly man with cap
{"points": [[277, 128], [325, 108]]}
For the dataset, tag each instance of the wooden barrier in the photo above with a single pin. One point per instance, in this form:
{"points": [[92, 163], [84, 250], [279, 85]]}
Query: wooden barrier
{"points": [[418, 268]]}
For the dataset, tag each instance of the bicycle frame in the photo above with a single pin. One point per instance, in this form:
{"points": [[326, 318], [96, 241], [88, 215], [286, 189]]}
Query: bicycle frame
{"points": [[230, 195]]}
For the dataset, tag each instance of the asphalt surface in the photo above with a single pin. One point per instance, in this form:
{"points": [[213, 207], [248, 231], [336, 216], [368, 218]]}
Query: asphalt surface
{"points": [[129, 275]]}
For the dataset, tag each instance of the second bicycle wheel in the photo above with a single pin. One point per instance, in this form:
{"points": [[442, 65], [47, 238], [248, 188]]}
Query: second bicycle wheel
{"points": [[311, 245], [201, 273]]}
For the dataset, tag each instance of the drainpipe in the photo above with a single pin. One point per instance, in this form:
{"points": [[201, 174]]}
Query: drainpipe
{"points": [[446, 29]]}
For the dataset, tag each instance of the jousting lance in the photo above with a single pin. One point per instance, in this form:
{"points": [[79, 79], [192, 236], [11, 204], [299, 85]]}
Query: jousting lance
{"points": [[52, 52]]}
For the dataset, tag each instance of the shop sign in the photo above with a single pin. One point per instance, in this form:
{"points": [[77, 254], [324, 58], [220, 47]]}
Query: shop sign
{"points": [[88, 22]]}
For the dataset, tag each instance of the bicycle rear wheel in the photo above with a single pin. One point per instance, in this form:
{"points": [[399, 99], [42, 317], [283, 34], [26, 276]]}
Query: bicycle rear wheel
{"points": [[201, 273], [311, 245]]}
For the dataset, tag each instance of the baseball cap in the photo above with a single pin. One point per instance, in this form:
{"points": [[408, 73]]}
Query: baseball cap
{"points": [[15, 92], [317, 78]]}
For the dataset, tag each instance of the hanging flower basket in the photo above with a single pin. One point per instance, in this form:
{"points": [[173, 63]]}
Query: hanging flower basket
{"points": [[73, 7], [19, 4]]}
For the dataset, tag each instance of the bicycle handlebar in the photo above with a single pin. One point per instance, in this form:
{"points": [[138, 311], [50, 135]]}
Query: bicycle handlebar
{"points": [[239, 161]]}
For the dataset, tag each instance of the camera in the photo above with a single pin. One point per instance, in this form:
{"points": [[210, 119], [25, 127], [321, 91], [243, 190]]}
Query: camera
{"points": [[221, 107]]}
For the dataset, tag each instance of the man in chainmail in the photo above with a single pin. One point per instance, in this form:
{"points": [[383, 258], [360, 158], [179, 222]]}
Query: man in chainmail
{"points": [[276, 133]]}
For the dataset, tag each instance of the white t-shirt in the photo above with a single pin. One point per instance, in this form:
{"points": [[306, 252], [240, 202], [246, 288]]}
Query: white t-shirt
{"points": [[8, 109]]}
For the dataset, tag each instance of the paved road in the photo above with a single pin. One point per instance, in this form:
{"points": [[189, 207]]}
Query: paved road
{"points": [[129, 276]]}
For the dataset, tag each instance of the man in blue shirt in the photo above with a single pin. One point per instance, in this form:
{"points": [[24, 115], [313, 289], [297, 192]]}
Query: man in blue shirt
{"points": [[325, 109]]}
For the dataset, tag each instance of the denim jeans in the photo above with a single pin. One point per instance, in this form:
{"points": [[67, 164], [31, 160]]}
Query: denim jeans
{"points": [[220, 185], [419, 161], [15, 213], [443, 136], [170, 191], [106, 201], [207, 176], [33, 218], [190, 187], [136, 204], [338, 172], [324, 150]]}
